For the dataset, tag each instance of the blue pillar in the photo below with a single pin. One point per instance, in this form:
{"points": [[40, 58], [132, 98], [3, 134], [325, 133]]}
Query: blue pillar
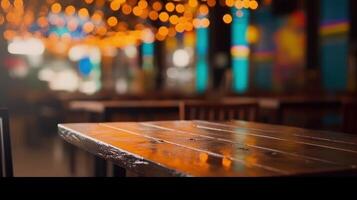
{"points": [[334, 44], [202, 71], [263, 55], [240, 50], [148, 56]]}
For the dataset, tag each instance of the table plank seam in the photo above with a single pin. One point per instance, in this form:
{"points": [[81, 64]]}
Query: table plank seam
{"points": [[274, 138], [200, 150], [252, 146], [298, 135]]}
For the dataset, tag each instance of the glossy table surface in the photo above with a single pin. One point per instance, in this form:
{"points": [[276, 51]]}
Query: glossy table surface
{"points": [[202, 148]]}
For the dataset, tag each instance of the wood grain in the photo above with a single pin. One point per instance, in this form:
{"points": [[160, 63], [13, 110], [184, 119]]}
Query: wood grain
{"points": [[202, 148]]}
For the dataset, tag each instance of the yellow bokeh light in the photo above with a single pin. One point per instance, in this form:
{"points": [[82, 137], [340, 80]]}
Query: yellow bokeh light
{"points": [[227, 18], [115, 5], [126, 9], [153, 15], [188, 26], [253, 34], [88, 27], [180, 27], [193, 3], [101, 31], [170, 7], [143, 4], [56, 8], [70, 10], [137, 11], [163, 30], [5, 4], [253, 5], [172, 32], [157, 5], [211, 3], [83, 13], [174, 15], [164, 16], [196, 23], [112, 21], [205, 22], [174, 19], [89, 1], [180, 8], [246, 3], [230, 3], [239, 4], [97, 16], [203, 10]]}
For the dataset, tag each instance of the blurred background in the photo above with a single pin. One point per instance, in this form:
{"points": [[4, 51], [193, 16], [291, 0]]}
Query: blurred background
{"points": [[55, 51]]}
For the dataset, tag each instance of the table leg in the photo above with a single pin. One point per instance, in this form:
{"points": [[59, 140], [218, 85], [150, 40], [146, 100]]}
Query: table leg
{"points": [[100, 167], [72, 160], [118, 171]]}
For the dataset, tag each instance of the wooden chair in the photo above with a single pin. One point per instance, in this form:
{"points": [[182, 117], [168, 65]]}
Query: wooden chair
{"points": [[312, 114], [219, 111], [349, 113], [6, 169]]}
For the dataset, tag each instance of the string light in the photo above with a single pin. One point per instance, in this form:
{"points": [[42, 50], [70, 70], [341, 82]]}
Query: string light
{"points": [[126, 18], [227, 18]]}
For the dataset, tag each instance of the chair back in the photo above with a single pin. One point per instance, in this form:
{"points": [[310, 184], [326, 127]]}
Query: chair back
{"points": [[311, 114], [219, 111]]}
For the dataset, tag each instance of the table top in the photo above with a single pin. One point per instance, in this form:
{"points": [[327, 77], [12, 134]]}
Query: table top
{"points": [[202, 148]]}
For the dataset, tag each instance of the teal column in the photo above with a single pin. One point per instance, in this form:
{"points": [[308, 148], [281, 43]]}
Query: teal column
{"points": [[240, 50], [147, 49], [148, 56], [334, 44], [263, 55], [202, 71]]}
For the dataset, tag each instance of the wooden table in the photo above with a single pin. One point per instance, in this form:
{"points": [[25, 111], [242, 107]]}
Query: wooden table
{"points": [[138, 109], [122, 110], [201, 148]]}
